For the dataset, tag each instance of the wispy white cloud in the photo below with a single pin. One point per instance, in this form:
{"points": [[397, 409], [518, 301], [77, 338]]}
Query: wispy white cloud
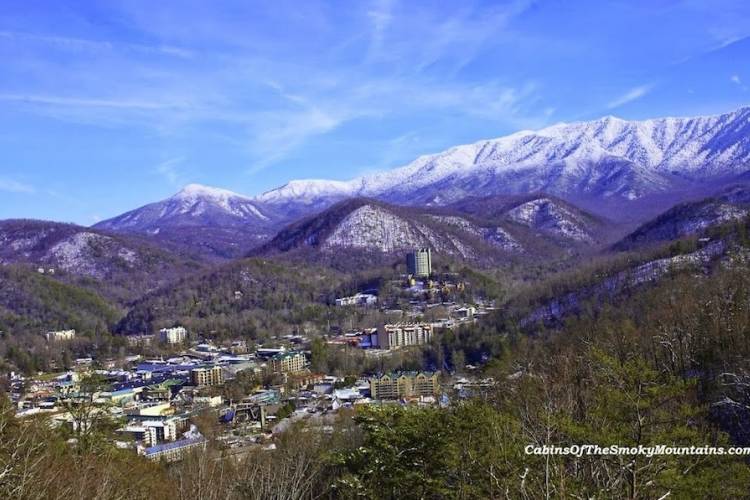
{"points": [[13, 186], [736, 79], [90, 102], [631, 95], [83, 44], [170, 171], [380, 15]]}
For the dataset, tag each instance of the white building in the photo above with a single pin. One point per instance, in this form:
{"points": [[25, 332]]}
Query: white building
{"points": [[404, 334], [360, 299], [60, 335], [175, 335]]}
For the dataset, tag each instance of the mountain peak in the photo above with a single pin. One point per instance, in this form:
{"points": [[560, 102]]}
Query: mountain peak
{"points": [[192, 191]]}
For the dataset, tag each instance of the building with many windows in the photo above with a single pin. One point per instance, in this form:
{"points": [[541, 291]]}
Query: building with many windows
{"points": [[404, 385], [172, 452], [60, 335], [419, 262], [207, 376], [360, 299], [396, 335], [288, 362], [176, 335]]}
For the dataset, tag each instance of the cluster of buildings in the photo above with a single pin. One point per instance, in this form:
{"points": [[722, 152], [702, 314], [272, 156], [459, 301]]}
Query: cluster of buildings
{"points": [[156, 400], [389, 336]]}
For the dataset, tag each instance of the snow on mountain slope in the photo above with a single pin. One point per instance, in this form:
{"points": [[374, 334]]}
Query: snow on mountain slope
{"points": [[362, 226], [201, 220], [496, 236], [543, 214], [691, 218], [371, 227], [194, 205], [605, 158], [368, 226], [118, 266]]}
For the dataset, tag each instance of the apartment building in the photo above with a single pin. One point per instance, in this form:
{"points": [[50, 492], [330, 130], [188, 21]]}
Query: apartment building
{"points": [[396, 335], [404, 385], [207, 376], [60, 335], [175, 335], [288, 362]]}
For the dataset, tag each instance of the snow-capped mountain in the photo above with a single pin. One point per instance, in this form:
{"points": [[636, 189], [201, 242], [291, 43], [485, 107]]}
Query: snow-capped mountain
{"points": [[194, 205], [604, 159], [207, 220]]}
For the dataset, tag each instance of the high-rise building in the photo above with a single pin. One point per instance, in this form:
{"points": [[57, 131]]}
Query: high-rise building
{"points": [[176, 335], [419, 262], [396, 335]]}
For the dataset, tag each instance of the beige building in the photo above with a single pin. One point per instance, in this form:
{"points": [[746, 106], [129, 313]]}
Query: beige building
{"points": [[404, 385], [288, 362], [201, 377], [404, 334], [176, 335], [419, 262], [60, 335]]}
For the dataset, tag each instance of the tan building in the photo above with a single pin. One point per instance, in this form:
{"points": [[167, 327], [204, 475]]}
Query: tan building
{"points": [[201, 377], [404, 385], [404, 334], [288, 362], [60, 335]]}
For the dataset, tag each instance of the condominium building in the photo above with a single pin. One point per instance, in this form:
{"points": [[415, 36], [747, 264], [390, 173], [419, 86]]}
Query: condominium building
{"points": [[288, 362], [404, 334], [419, 262], [60, 335], [204, 376], [360, 299], [404, 385], [172, 452], [176, 335]]}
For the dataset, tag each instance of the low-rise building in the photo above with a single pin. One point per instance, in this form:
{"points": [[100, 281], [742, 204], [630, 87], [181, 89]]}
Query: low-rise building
{"points": [[175, 335], [288, 362], [359, 299], [140, 340], [60, 335], [171, 452], [396, 335], [404, 385]]}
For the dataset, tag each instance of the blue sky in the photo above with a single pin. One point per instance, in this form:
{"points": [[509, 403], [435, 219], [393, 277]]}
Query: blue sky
{"points": [[106, 106]]}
